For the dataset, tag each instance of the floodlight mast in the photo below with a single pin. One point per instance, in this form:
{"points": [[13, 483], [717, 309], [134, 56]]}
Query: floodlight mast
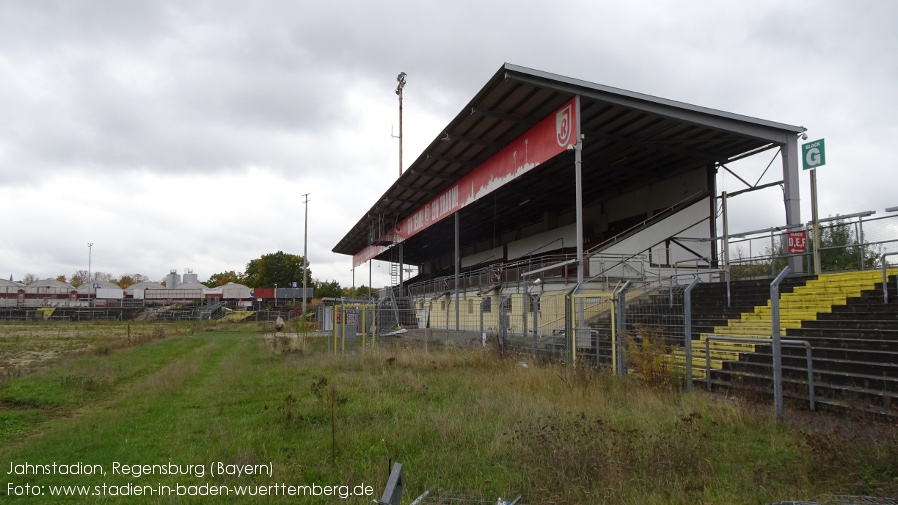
{"points": [[305, 254], [401, 79], [90, 250]]}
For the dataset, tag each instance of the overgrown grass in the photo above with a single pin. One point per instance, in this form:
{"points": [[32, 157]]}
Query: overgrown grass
{"points": [[25, 347], [460, 421]]}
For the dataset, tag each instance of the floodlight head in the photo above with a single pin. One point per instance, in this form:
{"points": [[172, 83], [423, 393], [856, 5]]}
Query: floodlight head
{"points": [[401, 79]]}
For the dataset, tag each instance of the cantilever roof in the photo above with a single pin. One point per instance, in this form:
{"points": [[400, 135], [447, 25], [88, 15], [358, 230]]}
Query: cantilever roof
{"points": [[630, 138]]}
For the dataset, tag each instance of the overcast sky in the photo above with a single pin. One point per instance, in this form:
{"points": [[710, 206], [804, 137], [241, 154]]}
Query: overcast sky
{"points": [[183, 134]]}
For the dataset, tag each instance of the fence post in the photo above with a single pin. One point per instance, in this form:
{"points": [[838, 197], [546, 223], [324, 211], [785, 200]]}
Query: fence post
{"points": [[772, 254], [620, 324], [482, 333], [448, 305], [534, 303], [777, 345], [504, 322], [569, 330], [687, 330]]}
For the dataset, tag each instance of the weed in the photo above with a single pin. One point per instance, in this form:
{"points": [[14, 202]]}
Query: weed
{"points": [[647, 354], [327, 395], [286, 409]]}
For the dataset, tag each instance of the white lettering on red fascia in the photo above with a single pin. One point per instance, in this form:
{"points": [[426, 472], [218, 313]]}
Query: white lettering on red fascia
{"points": [[415, 223], [446, 203]]}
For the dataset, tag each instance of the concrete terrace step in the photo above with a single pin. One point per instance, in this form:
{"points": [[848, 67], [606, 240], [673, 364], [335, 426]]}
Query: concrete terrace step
{"points": [[806, 300], [860, 316], [698, 355], [802, 304], [825, 384], [846, 333], [854, 336], [797, 376], [849, 324], [863, 344], [749, 320], [794, 364], [842, 400]]}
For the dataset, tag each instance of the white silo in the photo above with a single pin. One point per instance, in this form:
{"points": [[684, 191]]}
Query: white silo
{"points": [[172, 280], [190, 277]]}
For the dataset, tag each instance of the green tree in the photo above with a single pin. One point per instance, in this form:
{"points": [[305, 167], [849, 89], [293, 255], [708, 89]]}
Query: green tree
{"points": [[841, 249], [328, 289], [222, 278], [277, 268]]}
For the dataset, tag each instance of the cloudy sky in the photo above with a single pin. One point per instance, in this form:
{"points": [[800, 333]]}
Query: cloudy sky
{"points": [[183, 134]]}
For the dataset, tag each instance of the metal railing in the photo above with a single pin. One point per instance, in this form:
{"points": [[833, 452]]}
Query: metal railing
{"points": [[848, 242], [753, 340]]}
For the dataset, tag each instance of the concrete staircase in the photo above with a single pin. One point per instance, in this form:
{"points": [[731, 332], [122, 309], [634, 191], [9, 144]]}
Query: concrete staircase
{"points": [[854, 336]]}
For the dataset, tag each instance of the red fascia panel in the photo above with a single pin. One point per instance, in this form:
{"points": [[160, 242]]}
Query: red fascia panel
{"points": [[545, 140]]}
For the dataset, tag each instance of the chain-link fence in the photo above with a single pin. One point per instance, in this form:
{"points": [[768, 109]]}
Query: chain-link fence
{"points": [[587, 325]]}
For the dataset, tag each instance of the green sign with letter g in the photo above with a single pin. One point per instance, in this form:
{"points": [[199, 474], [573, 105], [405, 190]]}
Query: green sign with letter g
{"points": [[813, 155]]}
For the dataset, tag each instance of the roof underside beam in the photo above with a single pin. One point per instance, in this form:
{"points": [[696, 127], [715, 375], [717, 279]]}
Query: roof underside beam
{"points": [[654, 145], [470, 140], [447, 159], [504, 117], [440, 177], [679, 111]]}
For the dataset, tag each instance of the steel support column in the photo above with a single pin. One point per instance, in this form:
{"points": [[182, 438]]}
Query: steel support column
{"points": [[578, 183], [791, 194], [457, 266], [712, 193], [401, 280], [578, 176]]}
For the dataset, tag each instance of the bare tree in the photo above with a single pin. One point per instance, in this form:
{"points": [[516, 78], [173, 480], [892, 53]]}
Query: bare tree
{"points": [[78, 278], [128, 279], [104, 276]]}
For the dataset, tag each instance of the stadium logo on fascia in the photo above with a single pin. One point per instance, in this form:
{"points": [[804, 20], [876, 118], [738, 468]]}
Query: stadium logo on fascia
{"points": [[563, 125]]}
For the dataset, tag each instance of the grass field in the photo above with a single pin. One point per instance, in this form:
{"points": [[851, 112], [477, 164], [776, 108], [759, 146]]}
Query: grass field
{"points": [[461, 422]]}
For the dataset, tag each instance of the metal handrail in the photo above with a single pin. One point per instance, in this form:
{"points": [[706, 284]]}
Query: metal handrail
{"points": [[805, 343], [777, 341]]}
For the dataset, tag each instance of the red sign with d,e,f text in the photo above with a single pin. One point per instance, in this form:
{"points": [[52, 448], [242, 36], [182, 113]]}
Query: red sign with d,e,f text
{"points": [[797, 242]]}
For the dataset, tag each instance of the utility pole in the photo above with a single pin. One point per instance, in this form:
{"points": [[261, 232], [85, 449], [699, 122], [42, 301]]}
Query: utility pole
{"points": [[401, 79], [90, 250], [305, 254]]}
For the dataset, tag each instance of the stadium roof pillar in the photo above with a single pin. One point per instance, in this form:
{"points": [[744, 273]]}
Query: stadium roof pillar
{"points": [[578, 177], [791, 193]]}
